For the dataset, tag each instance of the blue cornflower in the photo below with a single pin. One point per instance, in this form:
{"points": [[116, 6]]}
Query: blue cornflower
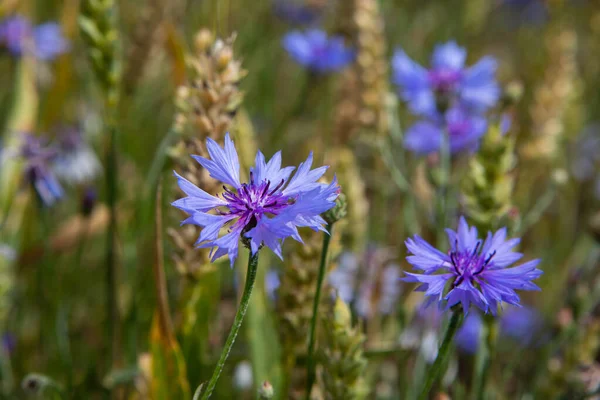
{"points": [[264, 211], [522, 324], [447, 83], [49, 41], [318, 52], [37, 157], [464, 131], [45, 41], [476, 271]]}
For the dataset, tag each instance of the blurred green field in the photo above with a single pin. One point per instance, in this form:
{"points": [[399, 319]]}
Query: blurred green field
{"points": [[103, 295]]}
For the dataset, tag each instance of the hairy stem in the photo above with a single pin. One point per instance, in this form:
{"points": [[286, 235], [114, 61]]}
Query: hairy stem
{"points": [[443, 197], [487, 344], [443, 353], [237, 323], [313, 323], [111, 256]]}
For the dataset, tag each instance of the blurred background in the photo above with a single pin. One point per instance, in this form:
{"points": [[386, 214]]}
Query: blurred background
{"points": [[102, 293]]}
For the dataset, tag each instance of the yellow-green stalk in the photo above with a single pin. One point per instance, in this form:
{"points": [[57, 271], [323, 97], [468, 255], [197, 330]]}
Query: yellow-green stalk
{"points": [[294, 307], [341, 355], [553, 100], [353, 227], [364, 86], [98, 25], [206, 108], [488, 185]]}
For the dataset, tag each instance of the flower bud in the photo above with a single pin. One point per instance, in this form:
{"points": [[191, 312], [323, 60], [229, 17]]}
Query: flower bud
{"points": [[266, 392], [338, 211]]}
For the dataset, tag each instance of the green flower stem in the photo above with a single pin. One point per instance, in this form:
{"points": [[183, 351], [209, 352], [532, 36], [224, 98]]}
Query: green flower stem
{"points": [[443, 185], [487, 345], [443, 354], [313, 323], [239, 317], [111, 238]]}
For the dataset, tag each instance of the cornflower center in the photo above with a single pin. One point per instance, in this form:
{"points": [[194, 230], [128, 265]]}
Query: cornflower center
{"points": [[468, 264], [252, 200], [444, 80], [459, 128]]}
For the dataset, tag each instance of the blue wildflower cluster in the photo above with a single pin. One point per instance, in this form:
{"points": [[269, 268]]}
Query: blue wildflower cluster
{"points": [[44, 42], [450, 97], [317, 51]]}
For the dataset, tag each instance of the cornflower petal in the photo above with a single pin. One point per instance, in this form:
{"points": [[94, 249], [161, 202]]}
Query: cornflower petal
{"points": [[449, 56], [197, 200], [480, 90], [224, 164], [304, 179]]}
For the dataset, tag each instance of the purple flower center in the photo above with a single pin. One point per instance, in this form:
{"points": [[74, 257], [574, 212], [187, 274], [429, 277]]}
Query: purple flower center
{"points": [[468, 264], [444, 80], [459, 128], [253, 200]]}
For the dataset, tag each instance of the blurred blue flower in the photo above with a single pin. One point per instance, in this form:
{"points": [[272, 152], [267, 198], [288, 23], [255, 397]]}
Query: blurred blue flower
{"points": [[49, 41], [265, 211], [318, 52], [467, 337], [37, 157], [44, 41], [372, 289], [447, 83], [9, 342], [14, 32], [477, 270], [522, 324], [272, 283], [464, 131], [75, 163], [297, 12]]}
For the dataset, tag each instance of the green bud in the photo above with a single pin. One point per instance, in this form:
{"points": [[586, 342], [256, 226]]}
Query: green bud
{"points": [[338, 211]]}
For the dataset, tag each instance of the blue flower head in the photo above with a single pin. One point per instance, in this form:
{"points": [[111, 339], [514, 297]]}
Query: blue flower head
{"points": [[264, 211], [447, 83], [464, 131], [474, 271], [37, 157], [13, 33], [49, 41], [44, 41], [318, 52]]}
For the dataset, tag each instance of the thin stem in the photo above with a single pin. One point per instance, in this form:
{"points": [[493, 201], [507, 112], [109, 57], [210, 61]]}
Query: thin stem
{"points": [[444, 183], [443, 353], [313, 322], [111, 238], [237, 322], [487, 345]]}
